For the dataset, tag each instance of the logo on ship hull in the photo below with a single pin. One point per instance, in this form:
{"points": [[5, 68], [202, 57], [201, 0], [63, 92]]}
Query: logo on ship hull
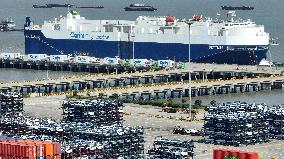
{"points": [[216, 47], [78, 35]]}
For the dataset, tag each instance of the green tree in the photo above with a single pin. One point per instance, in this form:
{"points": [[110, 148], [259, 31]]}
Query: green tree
{"points": [[115, 96], [170, 100], [198, 103], [141, 98], [183, 101], [75, 93], [101, 95], [213, 102]]}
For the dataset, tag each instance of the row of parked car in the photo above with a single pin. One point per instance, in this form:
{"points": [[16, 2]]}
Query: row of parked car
{"points": [[87, 137], [98, 111], [240, 123], [171, 149], [108, 141], [90, 60], [11, 102]]}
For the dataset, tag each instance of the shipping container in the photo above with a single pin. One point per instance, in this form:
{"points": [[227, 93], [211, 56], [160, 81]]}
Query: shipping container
{"points": [[166, 63], [8, 151], [57, 156], [217, 153], [233, 153], [5, 147], [48, 149], [140, 62], [40, 150], [242, 155], [180, 65], [1, 149], [31, 151], [111, 61], [252, 155], [30, 148], [125, 62], [225, 153], [4, 150], [40, 146], [18, 152], [22, 150], [56, 148], [26, 151], [11, 56], [95, 60], [82, 59], [59, 58], [37, 57], [11, 149]]}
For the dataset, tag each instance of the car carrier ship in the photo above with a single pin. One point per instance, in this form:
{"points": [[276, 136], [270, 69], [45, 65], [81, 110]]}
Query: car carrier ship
{"points": [[231, 41], [139, 7]]}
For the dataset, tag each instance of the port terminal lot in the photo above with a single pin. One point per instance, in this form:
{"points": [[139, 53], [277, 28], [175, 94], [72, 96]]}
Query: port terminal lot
{"points": [[156, 123]]}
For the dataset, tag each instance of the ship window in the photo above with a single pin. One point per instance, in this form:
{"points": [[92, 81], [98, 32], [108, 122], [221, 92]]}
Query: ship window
{"points": [[56, 27], [108, 28], [226, 24], [126, 29]]}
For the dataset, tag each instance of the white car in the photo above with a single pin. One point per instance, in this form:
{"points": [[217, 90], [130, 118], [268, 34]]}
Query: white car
{"points": [[191, 131]]}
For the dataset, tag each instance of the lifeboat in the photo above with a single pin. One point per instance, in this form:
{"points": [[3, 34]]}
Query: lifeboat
{"points": [[197, 17], [170, 19]]}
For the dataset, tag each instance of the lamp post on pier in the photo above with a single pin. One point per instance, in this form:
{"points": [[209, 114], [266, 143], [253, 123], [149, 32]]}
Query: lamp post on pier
{"points": [[189, 70]]}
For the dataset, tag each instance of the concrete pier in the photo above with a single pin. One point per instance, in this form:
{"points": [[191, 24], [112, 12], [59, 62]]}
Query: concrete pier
{"points": [[206, 80], [200, 70], [60, 66], [176, 89], [181, 89]]}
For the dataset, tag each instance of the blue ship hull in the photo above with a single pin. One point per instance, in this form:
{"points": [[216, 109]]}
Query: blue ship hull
{"points": [[37, 43]]}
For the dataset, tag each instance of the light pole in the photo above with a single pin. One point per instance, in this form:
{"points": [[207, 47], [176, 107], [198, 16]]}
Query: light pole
{"points": [[133, 49], [189, 74]]}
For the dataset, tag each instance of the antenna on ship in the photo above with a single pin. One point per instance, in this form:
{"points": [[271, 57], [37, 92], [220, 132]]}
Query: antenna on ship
{"points": [[218, 17], [231, 14], [69, 9]]}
